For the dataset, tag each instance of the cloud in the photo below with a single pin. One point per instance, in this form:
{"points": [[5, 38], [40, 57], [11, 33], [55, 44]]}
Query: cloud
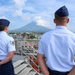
{"points": [[18, 13], [20, 3], [3, 17], [42, 11], [27, 12], [20, 7], [41, 22]]}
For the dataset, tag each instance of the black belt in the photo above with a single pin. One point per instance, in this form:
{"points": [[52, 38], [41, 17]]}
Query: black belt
{"points": [[53, 72]]}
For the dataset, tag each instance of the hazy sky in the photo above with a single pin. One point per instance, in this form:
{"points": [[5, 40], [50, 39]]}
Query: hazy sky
{"points": [[22, 12]]}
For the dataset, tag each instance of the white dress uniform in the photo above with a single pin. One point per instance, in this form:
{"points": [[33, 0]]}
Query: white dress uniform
{"points": [[58, 46], [6, 45]]}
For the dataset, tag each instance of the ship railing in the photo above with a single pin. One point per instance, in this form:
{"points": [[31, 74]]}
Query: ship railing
{"points": [[32, 61]]}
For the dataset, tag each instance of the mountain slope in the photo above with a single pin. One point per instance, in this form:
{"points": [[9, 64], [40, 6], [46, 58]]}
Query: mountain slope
{"points": [[31, 27]]}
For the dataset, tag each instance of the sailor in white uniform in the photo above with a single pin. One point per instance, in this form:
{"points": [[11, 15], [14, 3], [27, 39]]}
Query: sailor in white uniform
{"points": [[57, 46], [7, 48]]}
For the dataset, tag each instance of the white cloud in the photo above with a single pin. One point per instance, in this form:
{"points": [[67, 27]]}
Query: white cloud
{"points": [[19, 10], [3, 17], [18, 13], [41, 22], [20, 3], [25, 16]]}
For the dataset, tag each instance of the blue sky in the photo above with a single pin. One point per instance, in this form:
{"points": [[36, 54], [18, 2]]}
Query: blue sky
{"points": [[22, 12]]}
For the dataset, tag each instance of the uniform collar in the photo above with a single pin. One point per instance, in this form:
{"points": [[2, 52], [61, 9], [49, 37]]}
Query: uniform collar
{"points": [[61, 27], [3, 32]]}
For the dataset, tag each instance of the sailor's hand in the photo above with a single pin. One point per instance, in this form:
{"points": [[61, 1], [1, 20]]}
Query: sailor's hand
{"points": [[47, 74]]}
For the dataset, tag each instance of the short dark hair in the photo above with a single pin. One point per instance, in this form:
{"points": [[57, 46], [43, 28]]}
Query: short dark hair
{"points": [[58, 17], [2, 27], [61, 19]]}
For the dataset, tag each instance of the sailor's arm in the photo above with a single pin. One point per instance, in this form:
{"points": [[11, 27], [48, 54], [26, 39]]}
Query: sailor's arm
{"points": [[72, 72], [8, 58], [42, 63]]}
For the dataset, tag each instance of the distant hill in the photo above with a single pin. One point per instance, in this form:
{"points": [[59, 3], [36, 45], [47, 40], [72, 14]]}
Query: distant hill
{"points": [[31, 27]]}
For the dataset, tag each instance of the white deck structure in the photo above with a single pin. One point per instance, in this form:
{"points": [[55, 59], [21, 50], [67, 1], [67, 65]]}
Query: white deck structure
{"points": [[23, 68], [22, 65]]}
